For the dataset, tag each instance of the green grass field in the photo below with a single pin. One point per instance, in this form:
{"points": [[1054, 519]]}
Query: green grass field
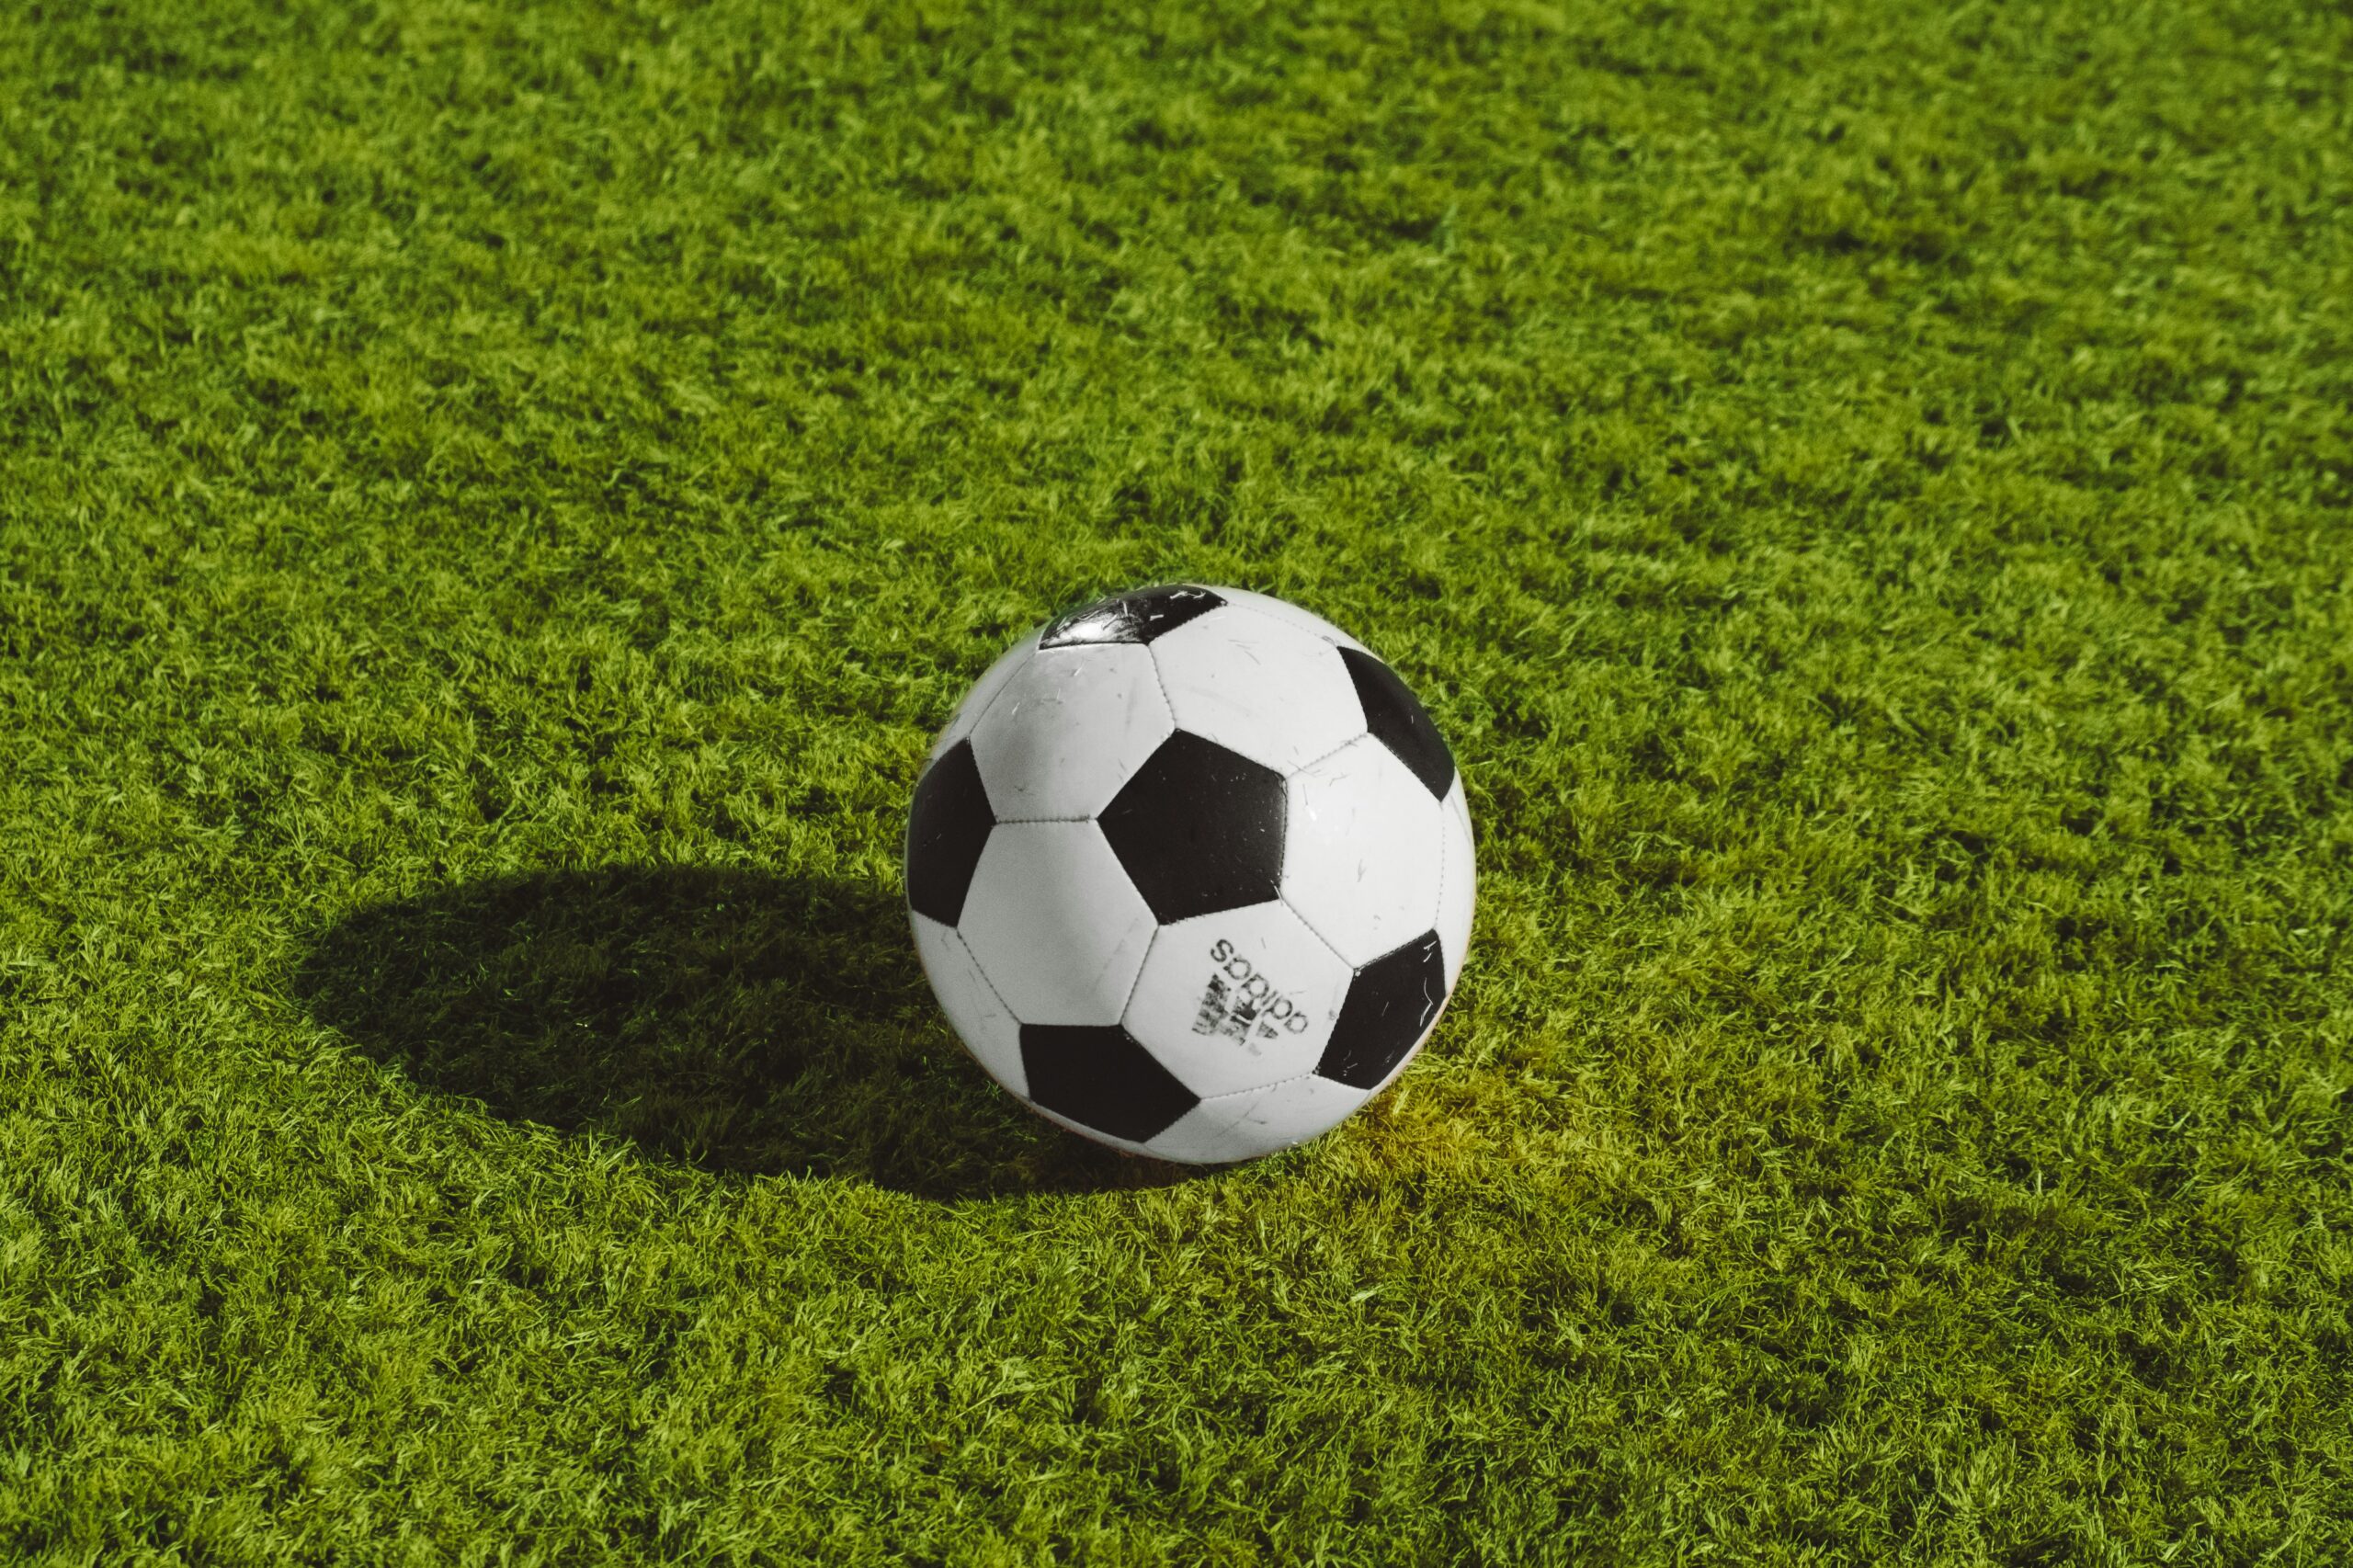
{"points": [[495, 498]]}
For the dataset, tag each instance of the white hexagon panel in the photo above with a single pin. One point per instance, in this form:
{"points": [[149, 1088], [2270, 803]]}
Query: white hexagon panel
{"points": [[1458, 879], [1290, 615], [1362, 853], [1238, 999], [1286, 1114], [976, 703], [989, 1031], [1271, 692], [1068, 728], [1054, 923]]}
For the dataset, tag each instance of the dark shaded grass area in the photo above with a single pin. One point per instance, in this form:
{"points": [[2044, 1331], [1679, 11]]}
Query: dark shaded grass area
{"points": [[726, 1018], [493, 501]]}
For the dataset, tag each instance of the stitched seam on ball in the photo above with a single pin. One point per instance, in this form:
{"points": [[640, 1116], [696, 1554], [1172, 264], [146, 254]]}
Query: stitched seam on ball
{"points": [[1166, 701], [1323, 637], [994, 697], [1262, 1088], [1284, 899], [1159, 679], [974, 959], [1026, 821], [1137, 983], [1320, 761], [1273, 619]]}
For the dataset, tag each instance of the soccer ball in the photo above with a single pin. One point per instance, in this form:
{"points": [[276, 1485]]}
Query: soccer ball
{"points": [[1190, 871]]}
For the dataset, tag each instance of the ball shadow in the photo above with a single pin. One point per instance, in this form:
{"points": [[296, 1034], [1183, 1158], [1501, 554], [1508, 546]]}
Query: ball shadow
{"points": [[740, 1022]]}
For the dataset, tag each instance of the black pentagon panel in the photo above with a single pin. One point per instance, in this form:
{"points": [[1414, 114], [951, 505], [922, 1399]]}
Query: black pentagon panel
{"points": [[1397, 716], [946, 828], [1099, 1078], [1391, 1002], [1131, 617], [1199, 829]]}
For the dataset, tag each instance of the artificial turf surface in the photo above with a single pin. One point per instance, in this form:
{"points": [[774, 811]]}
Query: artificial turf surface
{"points": [[496, 498]]}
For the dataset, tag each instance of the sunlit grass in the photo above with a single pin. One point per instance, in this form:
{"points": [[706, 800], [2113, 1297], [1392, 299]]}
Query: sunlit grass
{"points": [[496, 499]]}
